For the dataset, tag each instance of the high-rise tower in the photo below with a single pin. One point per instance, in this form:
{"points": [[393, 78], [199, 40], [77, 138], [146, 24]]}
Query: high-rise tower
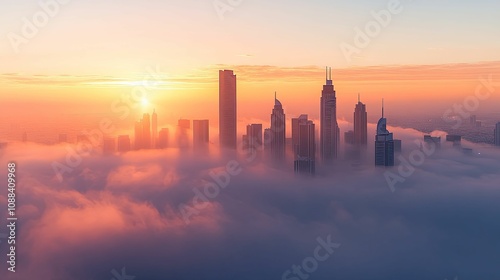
{"points": [[154, 129], [305, 145], [360, 124], [146, 131], [278, 132], [227, 109], [329, 129], [497, 134], [384, 143]]}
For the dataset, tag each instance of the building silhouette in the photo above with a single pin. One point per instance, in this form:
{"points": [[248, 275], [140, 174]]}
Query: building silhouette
{"points": [[305, 146], [183, 127], [146, 131], [384, 144], [227, 109], [497, 134], [267, 140], [138, 135], [123, 144], [253, 138], [109, 145], [278, 131], [200, 134], [154, 129], [360, 124], [349, 137], [163, 137], [329, 129]]}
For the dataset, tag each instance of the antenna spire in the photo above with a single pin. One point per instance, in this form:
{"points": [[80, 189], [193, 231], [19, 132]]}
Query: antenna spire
{"points": [[359, 98], [326, 73], [275, 96], [382, 107]]}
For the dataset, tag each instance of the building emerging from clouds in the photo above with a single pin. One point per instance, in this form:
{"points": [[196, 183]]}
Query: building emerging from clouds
{"points": [[384, 144], [201, 134], [227, 109], [278, 135], [329, 130], [360, 124], [303, 131]]}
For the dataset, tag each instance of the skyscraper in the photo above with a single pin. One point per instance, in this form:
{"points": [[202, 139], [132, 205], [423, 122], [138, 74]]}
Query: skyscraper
{"points": [[360, 124], [384, 144], [146, 131], [254, 137], [497, 134], [183, 127], [278, 132], [227, 109], [154, 129], [200, 134], [329, 130], [138, 135], [295, 131], [305, 156]]}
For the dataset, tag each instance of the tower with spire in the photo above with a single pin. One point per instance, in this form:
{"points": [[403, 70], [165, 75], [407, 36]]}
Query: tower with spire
{"points": [[384, 143], [329, 129], [278, 131]]}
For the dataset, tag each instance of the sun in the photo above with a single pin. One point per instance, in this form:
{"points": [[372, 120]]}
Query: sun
{"points": [[145, 102]]}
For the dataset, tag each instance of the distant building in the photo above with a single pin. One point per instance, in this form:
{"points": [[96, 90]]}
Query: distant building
{"points": [[146, 132], [497, 134], [329, 128], [436, 141], [295, 131], [384, 144], [305, 157], [254, 137], [200, 134], [163, 137], [227, 109], [397, 146], [453, 138], [109, 146], [278, 131], [349, 137], [154, 129], [472, 120], [138, 135], [360, 124], [267, 140], [123, 144], [183, 127]]}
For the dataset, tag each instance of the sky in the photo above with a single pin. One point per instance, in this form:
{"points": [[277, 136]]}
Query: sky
{"points": [[88, 53]]}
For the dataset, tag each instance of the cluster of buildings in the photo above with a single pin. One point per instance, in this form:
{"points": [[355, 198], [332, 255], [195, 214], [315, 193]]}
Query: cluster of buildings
{"points": [[303, 141]]}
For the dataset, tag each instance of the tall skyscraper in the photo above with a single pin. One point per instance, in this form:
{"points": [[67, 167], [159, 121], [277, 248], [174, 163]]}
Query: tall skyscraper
{"points": [[384, 144], [278, 131], [138, 135], [123, 143], [200, 134], [305, 156], [497, 134], [227, 109], [146, 131], [295, 131], [267, 139], [329, 130], [154, 129], [360, 124]]}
